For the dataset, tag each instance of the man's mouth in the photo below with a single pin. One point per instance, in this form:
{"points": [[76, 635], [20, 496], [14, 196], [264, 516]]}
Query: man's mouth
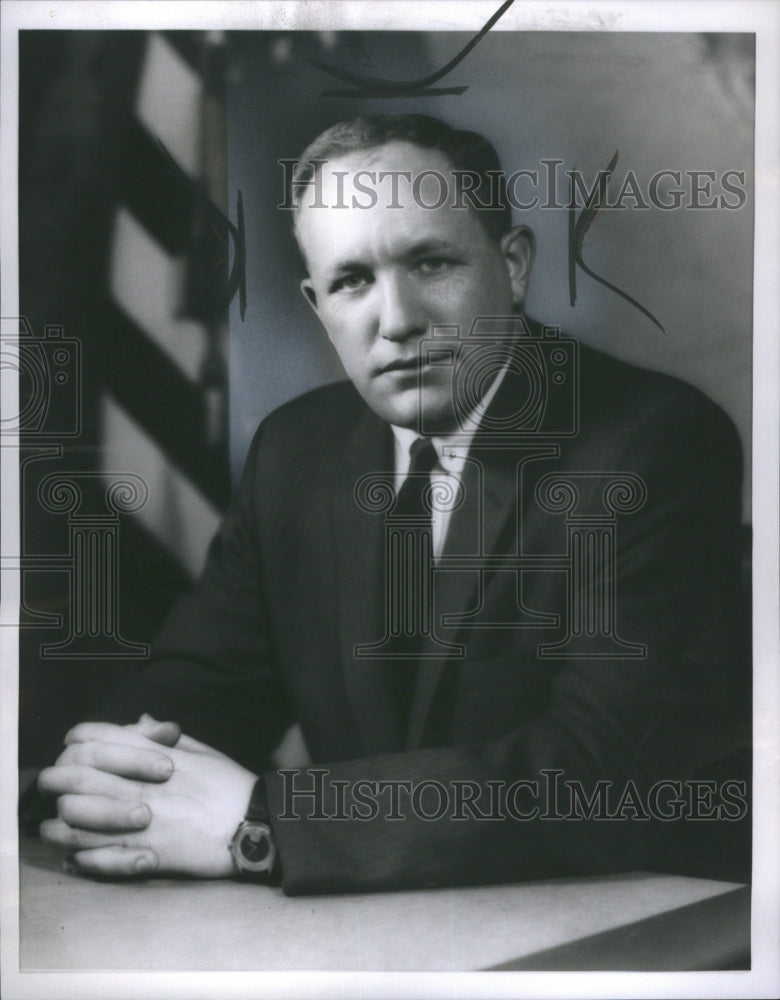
{"points": [[403, 365]]}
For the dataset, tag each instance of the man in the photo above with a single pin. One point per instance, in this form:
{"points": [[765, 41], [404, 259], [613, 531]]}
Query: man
{"points": [[567, 614]]}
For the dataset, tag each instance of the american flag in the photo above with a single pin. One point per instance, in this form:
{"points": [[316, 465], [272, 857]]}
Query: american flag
{"points": [[125, 247]]}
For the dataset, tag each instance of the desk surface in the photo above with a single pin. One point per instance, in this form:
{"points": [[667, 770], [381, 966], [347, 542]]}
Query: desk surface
{"points": [[631, 921]]}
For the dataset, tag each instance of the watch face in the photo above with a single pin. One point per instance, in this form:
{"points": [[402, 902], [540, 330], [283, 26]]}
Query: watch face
{"points": [[253, 848]]}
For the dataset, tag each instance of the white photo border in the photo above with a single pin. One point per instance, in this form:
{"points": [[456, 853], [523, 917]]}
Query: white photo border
{"points": [[762, 18]]}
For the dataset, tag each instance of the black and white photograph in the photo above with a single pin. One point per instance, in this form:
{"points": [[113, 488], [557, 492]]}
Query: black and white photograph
{"points": [[389, 539]]}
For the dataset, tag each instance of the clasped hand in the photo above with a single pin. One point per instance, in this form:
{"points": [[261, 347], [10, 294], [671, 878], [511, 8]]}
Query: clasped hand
{"points": [[144, 798]]}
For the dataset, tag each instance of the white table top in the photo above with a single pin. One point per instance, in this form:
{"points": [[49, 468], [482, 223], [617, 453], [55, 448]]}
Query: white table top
{"points": [[70, 923]]}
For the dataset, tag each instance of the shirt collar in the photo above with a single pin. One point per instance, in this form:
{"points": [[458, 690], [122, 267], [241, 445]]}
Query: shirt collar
{"points": [[453, 448]]}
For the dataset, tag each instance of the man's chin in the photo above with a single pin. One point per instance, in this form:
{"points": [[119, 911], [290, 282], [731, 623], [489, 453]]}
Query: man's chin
{"points": [[425, 413]]}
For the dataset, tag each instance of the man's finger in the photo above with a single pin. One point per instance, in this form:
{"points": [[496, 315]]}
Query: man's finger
{"points": [[107, 732], [77, 779], [115, 861], [166, 733], [193, 746], [126, 760], [99, 812], [57, 831]]}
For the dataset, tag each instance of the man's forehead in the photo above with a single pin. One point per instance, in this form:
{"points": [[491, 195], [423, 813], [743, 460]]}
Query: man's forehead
{"points": [[386, 200], [392, 173]]}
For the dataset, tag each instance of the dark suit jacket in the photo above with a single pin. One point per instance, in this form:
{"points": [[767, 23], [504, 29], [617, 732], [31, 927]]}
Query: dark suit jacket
{"points": [[295, 578]]}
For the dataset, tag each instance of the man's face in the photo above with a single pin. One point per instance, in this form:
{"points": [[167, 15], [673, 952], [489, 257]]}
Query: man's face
{"points": [[380, 277]]}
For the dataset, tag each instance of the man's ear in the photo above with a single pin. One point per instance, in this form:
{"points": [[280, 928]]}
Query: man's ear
{"points": [[307, 289], [519, 249]]}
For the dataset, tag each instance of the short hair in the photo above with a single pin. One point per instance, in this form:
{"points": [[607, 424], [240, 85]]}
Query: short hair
{"points": [[466, 151]]}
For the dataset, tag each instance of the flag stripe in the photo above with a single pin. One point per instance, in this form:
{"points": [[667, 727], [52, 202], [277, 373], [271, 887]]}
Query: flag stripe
{"points": [[152, 189], [169, 407], [147, 283], [169, 102], [177, 514], [189, 46]]}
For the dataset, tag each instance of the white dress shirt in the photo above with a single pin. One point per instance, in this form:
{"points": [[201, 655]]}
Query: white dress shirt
{"points": [[452, 451]]}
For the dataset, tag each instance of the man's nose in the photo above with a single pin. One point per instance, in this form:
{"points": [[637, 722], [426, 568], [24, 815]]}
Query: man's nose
{"points": [[401, 313]]}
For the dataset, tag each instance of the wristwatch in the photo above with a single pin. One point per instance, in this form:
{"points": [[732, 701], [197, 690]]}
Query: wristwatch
{"points": [[253, 847]]}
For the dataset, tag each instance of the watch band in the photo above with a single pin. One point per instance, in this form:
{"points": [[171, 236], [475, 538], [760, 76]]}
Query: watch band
{"points": [[253, 847], [257, 810]]}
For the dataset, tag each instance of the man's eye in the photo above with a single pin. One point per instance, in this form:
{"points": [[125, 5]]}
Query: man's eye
{"points": [[353, 281], [433, 265], [350, 283]]}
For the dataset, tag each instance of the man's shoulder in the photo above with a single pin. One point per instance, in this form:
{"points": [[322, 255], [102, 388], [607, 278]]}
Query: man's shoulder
{"points": [[626, 406], [336, 404], [611, 384], [311, 424]]}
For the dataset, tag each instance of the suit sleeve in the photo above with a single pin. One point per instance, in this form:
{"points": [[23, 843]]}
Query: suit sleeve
{"points": [[629, 724]]}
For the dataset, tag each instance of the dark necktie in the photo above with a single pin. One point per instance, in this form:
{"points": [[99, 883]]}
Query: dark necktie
{"points": [[410, 503]]}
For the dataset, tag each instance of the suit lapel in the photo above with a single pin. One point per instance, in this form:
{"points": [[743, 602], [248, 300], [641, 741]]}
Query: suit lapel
{"points": [[476, 529], [360, 583]]}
